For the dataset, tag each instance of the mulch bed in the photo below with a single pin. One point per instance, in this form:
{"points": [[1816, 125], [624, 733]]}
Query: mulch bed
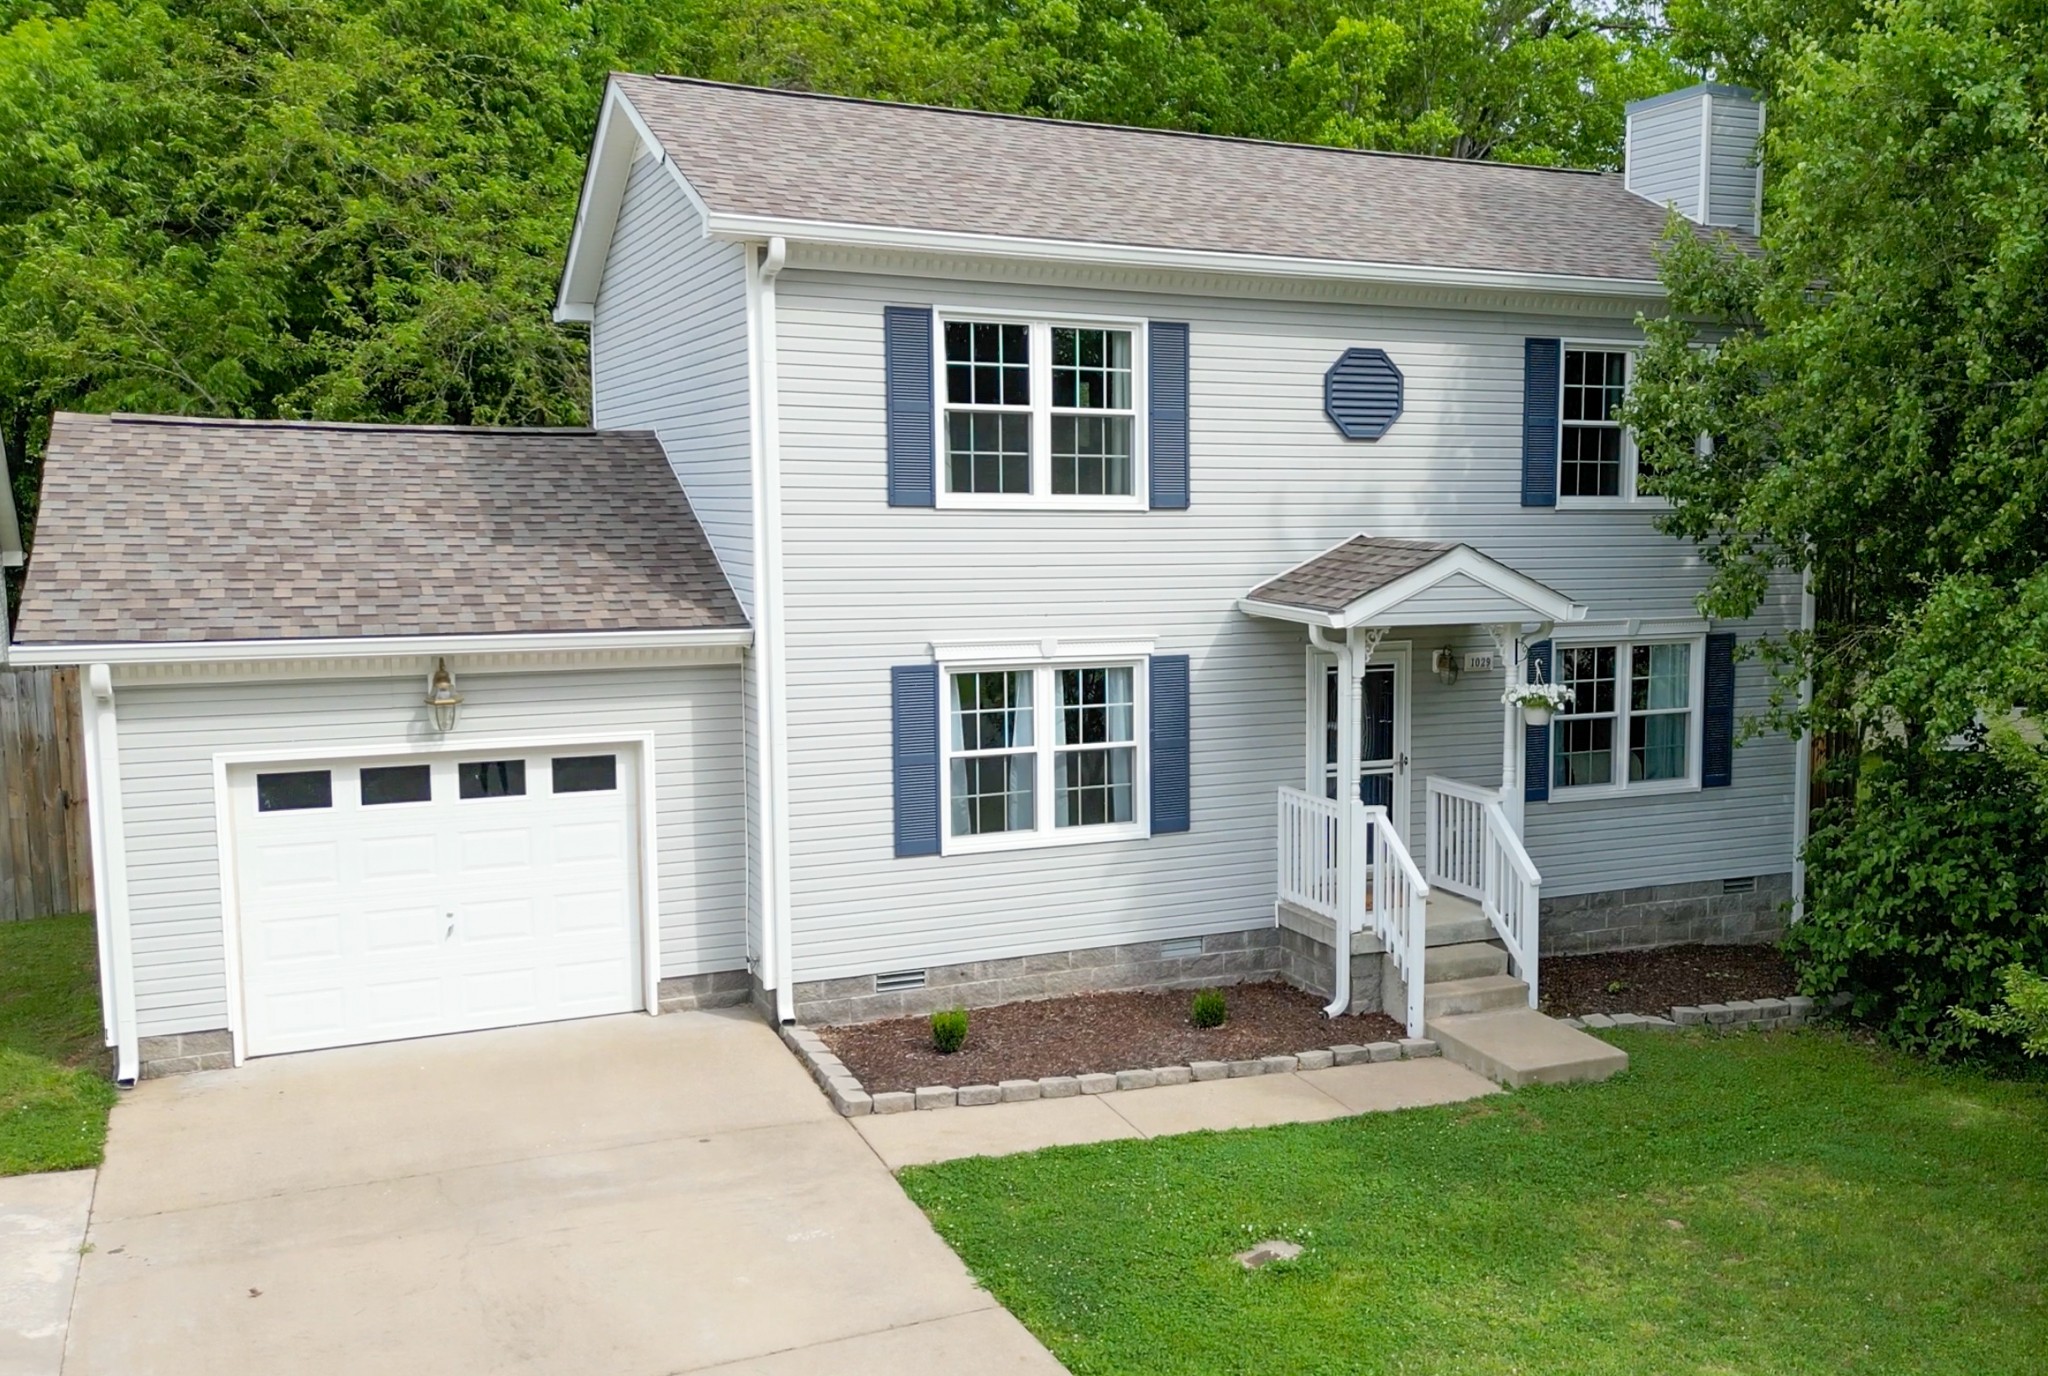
{"points": [[1098, 1032], [1657, 981]]}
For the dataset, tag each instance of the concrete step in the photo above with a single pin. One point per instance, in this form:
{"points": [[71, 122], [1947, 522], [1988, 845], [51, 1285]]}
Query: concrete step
{"points": [[1519, 1046], [1480, 994], [1466, 960], [1455, 921]]}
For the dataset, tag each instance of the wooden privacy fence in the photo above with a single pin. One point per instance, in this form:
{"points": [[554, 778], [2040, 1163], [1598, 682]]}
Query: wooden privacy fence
{"points": [[45, 847]]}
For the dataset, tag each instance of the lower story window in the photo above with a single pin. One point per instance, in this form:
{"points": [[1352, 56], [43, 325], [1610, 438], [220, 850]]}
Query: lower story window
{"points": [[1631, 718], [1008, 775]]}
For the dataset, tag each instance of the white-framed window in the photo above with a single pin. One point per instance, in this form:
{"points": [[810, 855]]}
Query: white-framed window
{"points": [[1597, 460], [1634, 721], [1042, 754], [1039, 411]]}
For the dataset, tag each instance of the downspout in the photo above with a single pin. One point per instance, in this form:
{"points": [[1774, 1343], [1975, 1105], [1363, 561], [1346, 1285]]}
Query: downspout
{"points": [[1802, 766], [774, 705], [110, 865], [1347, 797]]}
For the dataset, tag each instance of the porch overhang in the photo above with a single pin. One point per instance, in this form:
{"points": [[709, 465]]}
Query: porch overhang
{"points": [[1382, 581]]}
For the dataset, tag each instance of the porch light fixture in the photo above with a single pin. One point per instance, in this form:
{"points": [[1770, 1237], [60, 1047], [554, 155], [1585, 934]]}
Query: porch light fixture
{"points": [[442, 699], [1445, 662]]}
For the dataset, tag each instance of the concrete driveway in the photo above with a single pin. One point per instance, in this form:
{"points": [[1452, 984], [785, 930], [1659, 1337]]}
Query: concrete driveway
{"points": [[605, 1198]]}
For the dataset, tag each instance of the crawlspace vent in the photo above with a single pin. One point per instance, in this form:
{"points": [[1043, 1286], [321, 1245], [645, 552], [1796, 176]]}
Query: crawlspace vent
{"points": [[1746, 884], [1187, 948], [898, 980]]}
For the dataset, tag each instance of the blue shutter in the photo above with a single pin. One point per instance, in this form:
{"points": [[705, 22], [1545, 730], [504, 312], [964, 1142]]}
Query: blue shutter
{"points": [[1536, 739], [1169, 693], [907, 366], [914, 706], [1166, 459], [1717, 753], [1541, 361]]}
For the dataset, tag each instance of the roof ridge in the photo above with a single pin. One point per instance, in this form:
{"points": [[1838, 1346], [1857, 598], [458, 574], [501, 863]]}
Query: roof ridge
{"points": [[1057, 122], [282, 423]]}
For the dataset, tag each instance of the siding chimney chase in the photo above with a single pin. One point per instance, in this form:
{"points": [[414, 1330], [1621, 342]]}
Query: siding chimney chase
{"points": [[1695, 150]]}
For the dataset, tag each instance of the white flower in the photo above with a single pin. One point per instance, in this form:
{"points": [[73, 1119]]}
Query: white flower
{"points": [[1555, 696]]}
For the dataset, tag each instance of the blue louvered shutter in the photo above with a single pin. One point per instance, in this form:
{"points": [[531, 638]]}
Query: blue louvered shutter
{"points": [[1166, 421], [1536, 739], [1542, 360], [907, 367], [1169, 694], [914, 710], [1717, 751]]}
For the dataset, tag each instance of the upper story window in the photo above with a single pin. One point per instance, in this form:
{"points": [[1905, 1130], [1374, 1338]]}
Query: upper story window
{"points": [[1633, 720], [1595, 455], [1038, 410]]}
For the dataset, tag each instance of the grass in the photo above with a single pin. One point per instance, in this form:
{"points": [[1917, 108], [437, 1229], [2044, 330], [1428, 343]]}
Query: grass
{"points": [[1783, 1203], [54, 1090]]}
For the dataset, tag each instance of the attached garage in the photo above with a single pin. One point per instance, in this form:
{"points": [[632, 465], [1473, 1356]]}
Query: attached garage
{"points": [[393, 731], [393, 896]]}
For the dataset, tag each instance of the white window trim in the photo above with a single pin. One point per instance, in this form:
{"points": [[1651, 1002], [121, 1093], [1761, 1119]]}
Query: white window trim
{"points": [[1696, 739], [1041, 325], [1044, 709], [1630, 498]]}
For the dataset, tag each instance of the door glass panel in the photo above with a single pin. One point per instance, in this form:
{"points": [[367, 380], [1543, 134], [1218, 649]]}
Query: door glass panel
{"points": [[586, 773], [302, 788], [492, 778], [1375, 737], [397, 783], [1376, 701]]}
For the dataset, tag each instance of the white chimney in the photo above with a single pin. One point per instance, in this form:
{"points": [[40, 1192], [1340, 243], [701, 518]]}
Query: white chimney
{"points": [[1695, 150]]}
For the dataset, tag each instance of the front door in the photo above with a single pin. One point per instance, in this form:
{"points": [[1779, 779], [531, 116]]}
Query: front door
{"points": [[1382, 735]]}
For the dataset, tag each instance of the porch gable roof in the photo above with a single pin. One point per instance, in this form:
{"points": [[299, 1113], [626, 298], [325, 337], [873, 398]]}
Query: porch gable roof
{"points": [[1385, 581]]}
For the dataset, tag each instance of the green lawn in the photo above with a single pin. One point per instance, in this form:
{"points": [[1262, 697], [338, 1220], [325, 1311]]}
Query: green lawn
{"points": [[54, 1091], [1795, 1202]]}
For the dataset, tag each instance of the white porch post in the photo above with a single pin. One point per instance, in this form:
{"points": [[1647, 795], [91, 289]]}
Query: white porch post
{"points": [[1509, 646]]}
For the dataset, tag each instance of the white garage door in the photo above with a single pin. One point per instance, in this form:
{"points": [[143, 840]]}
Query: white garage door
{"points": [[409, 896]]}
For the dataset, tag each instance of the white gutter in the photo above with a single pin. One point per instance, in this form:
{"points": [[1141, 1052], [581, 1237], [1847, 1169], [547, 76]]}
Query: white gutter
{"points": [[771, 706], [110, 867], [840, 234], [377, 647]]}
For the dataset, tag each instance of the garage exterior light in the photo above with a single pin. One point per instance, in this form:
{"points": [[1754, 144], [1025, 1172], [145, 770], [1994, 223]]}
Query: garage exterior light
{"points": [[442, 699]]}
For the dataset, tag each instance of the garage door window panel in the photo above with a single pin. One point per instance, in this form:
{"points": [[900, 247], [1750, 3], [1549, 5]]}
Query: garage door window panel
{"points": [[492, 778], [294, 791], [399, 783], [586, 773]]}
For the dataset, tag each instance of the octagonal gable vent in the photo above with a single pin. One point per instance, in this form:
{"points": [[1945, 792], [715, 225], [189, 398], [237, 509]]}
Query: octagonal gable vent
{"points": [[1362, 394]]}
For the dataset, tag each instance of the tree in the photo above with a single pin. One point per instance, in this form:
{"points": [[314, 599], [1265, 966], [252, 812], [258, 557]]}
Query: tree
{"points": [[1875, 386]]}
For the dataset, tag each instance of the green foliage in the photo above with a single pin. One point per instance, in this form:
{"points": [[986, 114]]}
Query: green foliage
{"points": [[1795, 1203], [2023, 1016], [1924, 892], [1209, 1009], [54, 1094], [949, 1030]]}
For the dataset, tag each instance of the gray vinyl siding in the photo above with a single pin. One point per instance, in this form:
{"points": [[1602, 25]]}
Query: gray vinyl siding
{"points": [[169, 735], [1664, 155], [1731, 172], [668, 353], [869, 587]]}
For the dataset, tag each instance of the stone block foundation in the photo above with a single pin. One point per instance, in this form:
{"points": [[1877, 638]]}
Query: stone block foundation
{"points": [[720, 989], [1746, 911], [184, 1052]]}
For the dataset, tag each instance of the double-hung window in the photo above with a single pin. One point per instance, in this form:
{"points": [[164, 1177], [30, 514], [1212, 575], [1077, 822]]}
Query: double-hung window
{"points": [[1633, 722], [1042, 754], [1039, 411], [1596, 456]]}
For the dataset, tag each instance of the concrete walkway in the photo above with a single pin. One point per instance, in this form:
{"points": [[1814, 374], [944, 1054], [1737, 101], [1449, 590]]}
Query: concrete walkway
{"points": [[621, 1196], [42, 1226], [1306, 1096]]}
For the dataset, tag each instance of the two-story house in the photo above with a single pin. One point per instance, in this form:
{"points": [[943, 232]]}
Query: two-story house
{"points": [[1106, 557]]}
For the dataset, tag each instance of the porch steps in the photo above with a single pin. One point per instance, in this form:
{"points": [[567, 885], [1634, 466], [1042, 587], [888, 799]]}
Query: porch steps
{"points": [[1519, 1046], [1455, 921], [1443, 998], [1465, 960]]}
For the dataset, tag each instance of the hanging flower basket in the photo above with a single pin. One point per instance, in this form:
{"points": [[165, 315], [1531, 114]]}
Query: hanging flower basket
{"points": [[1538, 701]]}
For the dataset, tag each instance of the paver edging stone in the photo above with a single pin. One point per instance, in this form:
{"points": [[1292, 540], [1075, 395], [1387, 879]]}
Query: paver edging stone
{"points": [[1742, 1015], [851, 1100]]}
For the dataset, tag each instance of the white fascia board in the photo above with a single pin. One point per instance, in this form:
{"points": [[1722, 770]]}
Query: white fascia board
{"points": [[1382, 606], [747, 228], [622, 136], [1044, 650], [373, 647]]}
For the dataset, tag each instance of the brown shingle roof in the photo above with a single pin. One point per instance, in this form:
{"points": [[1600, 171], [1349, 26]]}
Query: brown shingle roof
{"points": [[1335, 579], [774, 153], [163, 529]]}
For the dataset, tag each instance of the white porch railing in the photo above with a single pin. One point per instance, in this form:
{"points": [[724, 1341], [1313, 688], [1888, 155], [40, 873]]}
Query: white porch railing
{"points": [[1472, 850], [1396, 903], [1308, 852]]}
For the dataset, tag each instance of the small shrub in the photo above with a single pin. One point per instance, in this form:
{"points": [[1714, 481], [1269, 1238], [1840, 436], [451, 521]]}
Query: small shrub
{"points": [[1617, 986], [1209, 1009], [949, 1030]]}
